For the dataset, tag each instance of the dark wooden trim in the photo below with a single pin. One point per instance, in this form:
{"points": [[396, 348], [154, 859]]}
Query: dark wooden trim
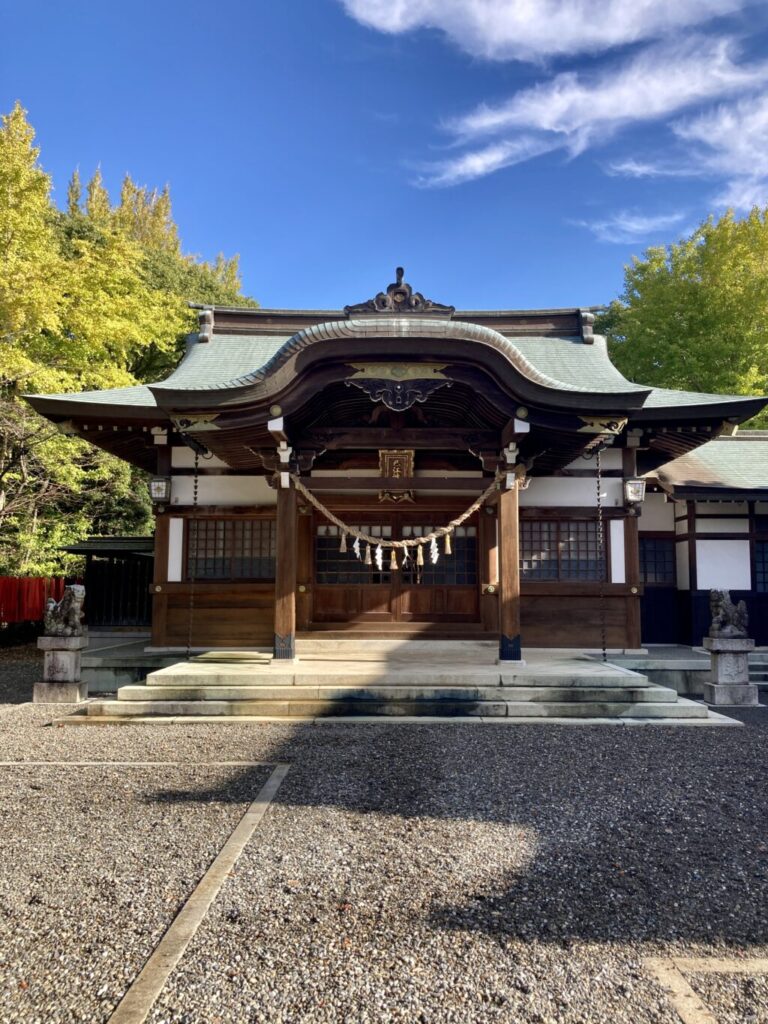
{"points": [[573, 588], [164, 460], [564, 513], [632, 574], [214, 471], [223, 511], [162, 530], [215, 587]]}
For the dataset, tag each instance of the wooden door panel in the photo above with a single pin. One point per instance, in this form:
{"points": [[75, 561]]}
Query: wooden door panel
{"points": [[352, 604], [438, 604]]}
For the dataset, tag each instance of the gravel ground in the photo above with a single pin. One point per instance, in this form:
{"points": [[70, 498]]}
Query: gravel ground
{"points": [[97, 864], [444, 873], [20, 667], [733, 998]]}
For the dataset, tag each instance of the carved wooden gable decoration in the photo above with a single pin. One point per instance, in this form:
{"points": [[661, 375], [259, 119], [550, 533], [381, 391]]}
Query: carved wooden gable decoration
{"points": [[399, 298]]}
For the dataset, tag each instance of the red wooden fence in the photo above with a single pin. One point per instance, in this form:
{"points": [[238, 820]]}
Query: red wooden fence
{"points": [[22, 598]]}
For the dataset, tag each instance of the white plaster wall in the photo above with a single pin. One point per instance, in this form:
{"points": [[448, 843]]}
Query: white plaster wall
{"points": [[656, 514], [721, 525], [683, 565], [175, 549], [681, 525], [731, 507], [223, 490], [611, 460], [618, 559], [723, 565], [181, 458], [571, 492], [761, 508]]}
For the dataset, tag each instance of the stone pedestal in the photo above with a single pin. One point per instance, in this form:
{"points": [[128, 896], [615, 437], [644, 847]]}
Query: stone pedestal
{"points": [[730, 671], [61, 670]]}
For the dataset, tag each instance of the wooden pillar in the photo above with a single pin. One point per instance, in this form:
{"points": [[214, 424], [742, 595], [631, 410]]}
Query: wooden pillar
{"points": [[488, 561], [285, 575], [510, 648]]}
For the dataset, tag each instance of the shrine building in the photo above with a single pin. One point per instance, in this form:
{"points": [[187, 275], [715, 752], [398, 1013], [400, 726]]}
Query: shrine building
{"points": [[404, 469]]}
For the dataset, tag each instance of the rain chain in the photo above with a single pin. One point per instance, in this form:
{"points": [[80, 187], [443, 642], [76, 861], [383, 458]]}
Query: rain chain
{"points": [[377, 544]]}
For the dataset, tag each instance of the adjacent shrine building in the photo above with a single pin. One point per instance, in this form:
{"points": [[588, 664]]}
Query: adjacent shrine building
{"points": [[403, 468]]}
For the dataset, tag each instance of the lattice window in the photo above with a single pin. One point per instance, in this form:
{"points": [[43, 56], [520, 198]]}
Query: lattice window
{"points": [[457, 569], [560, 550], [231, 549], [657, 561], [538, 550], [761, 566], [335, 566]]}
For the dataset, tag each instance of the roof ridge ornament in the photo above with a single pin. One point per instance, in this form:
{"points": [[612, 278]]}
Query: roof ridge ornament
{"points": [[399, 298]]}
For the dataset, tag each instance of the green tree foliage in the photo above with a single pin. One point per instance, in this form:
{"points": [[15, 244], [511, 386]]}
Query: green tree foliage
{"points": [[91, 297], [694, 315]]}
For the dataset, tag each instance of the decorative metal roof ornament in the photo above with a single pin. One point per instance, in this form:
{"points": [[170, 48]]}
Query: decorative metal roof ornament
{"points": [[399, 298]]}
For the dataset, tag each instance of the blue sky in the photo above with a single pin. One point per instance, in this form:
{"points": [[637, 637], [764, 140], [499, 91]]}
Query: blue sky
{"points": [[509, 153]]}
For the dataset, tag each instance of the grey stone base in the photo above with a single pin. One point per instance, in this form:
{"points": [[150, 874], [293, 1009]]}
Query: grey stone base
{"points": [[733, 694], [59, 693]]}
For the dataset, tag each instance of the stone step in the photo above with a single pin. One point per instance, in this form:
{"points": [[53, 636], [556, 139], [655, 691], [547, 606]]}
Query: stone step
{"points": [[582, 694], [682, 709], [452, 652], [384, 674]]}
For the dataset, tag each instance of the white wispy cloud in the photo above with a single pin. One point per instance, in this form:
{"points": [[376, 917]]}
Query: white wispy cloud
{"points": [[632, 168], [626, 227], [573, 111], [479, 162], [535, 29], [731, 142]]}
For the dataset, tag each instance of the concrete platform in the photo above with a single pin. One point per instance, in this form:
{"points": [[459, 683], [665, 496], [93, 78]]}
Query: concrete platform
{"points": [[445, 680]]}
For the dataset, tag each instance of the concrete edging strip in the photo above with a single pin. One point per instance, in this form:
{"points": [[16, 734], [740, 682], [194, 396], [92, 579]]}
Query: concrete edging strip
{"points": [[140, 997], [689, 1008], [686, 1003]]}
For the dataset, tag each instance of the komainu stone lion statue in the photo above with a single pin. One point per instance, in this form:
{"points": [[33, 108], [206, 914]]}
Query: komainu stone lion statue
{"points": [[65, 617], [729, 620]]}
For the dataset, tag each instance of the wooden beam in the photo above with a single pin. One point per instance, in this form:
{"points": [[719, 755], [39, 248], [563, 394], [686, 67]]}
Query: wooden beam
{"points": [[419, 438], [410, 483], [285, 575], [509, 576]]}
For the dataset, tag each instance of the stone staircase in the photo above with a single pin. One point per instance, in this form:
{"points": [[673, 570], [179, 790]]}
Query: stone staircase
{"points": [[356, 679], [758, 669]]}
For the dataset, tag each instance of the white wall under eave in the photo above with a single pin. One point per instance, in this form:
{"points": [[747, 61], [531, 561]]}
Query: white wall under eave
{"points": [[723, 565], [721, 525], [618, 556], [223, 490], [611, 459], [573, 492], [656, 514], [175, 548]]}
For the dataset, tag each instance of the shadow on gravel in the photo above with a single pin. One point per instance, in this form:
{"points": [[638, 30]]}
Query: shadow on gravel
{"points": [[641, 833]]}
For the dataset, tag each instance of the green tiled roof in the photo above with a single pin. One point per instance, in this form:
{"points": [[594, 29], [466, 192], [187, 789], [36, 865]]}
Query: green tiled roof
{"points": [[223, 359], [667, 398], [738, 463], [231, 360]]}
